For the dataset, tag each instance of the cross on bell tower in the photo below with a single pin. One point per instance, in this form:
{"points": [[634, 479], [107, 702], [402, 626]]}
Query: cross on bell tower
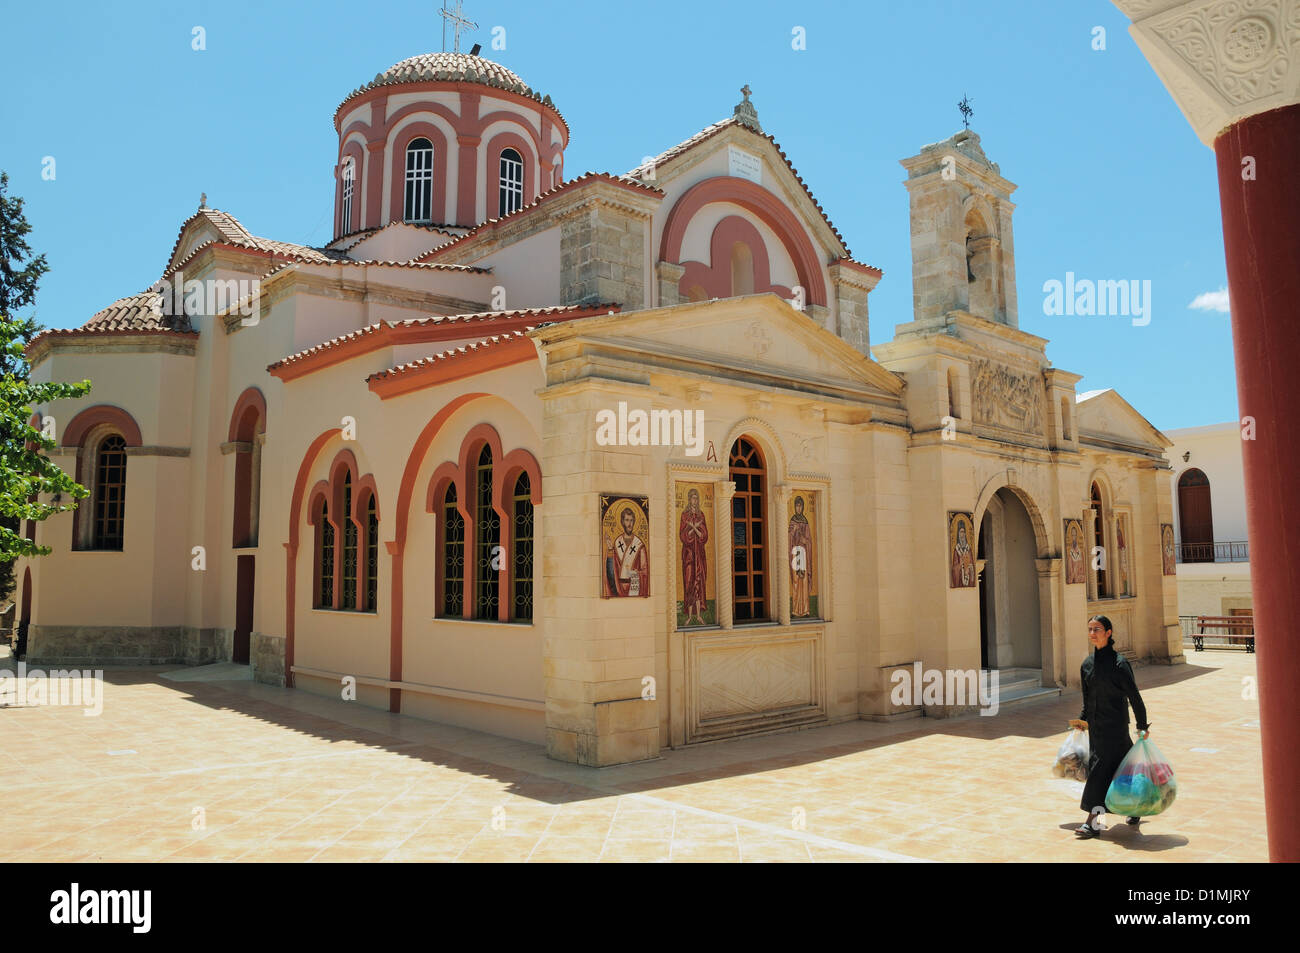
{"points": [[459, 22]]}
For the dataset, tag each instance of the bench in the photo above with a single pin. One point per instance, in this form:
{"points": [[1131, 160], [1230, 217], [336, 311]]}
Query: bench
{"points": [[1234, 626]]}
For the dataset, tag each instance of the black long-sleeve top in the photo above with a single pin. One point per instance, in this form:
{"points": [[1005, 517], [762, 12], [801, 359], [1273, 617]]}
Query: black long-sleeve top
{"points": [[1108, 689]]}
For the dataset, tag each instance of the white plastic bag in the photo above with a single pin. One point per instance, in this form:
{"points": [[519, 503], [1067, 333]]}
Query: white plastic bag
{"points": [[1072, 756]]}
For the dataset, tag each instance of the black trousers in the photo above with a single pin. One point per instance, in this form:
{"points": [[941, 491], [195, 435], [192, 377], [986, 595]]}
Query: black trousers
{"points": [[1108, 750]]}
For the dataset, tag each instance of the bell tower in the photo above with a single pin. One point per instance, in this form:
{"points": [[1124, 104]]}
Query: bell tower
{"points": [[963, 258]]}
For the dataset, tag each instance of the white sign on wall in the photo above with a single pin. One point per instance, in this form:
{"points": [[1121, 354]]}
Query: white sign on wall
{"points": [[745, 165]]}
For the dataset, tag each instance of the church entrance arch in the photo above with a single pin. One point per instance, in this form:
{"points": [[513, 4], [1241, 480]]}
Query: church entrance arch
{"points": [[1010, 620]]}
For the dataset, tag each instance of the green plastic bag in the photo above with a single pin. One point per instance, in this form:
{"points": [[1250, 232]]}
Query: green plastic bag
{"points": [[1144, 785]]}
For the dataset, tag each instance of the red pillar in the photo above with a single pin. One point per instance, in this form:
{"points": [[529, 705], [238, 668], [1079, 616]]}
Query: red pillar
{"points": [[1261, 234]]}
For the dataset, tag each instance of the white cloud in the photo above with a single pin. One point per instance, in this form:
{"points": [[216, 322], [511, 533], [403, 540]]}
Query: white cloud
{"points": [[1211, 301]]}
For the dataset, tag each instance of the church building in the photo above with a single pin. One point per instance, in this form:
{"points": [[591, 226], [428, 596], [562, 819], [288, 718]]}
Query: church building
{"points": [[605, 463]]}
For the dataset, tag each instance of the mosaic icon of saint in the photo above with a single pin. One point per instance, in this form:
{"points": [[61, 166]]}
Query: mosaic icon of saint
{"points": [[1074, 571], [963, 560], [1168, 551], [693, 532], [627, 569], [800, 556]]}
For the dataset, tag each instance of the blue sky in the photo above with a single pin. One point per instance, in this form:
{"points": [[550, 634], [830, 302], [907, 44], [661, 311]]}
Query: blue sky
{"points": [[1112, 182]]}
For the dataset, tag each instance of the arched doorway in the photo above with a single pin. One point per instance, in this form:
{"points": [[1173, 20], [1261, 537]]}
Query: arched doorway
{"points": [[24, 615], [1010, 623], [1195, 518]]}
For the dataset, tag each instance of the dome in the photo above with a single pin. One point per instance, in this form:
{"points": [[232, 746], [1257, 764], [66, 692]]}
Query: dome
{"points": [[450, 68]]}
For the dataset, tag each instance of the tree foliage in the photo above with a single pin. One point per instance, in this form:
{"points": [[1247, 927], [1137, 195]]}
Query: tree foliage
{"points": [[26, 474]]}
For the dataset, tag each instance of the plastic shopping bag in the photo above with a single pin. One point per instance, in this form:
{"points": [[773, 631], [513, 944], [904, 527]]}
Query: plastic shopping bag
{"points": [[1072, 756], [1144, 785]]}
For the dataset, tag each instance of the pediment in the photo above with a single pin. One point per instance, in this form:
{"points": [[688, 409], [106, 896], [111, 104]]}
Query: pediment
{"points": [[759, 340], [1105, 414]]}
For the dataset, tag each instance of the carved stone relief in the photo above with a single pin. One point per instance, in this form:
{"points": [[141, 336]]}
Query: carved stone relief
{"points": [[1006, 398]]}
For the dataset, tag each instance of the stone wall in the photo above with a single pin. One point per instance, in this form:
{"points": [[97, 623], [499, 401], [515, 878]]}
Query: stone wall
{"points": [[127, 645], [107, 645], [266, 653], [602, 257]]}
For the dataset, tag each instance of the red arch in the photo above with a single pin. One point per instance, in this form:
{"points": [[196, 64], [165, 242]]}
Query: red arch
{"points": [[397, 162], [291, 547], [715, 277], [92, 417], [354, 151], [498, 144], [753, 198], [251, 398], [395, 548]]}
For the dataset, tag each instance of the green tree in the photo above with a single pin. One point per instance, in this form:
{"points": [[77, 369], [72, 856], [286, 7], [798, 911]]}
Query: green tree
{"points": [[25, 471]]}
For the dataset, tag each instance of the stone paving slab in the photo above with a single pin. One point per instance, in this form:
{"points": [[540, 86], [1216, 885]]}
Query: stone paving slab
{"points": [[238, 771]]}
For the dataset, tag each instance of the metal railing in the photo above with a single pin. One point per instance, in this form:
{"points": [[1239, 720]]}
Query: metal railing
{"points": [[1237, 551]]}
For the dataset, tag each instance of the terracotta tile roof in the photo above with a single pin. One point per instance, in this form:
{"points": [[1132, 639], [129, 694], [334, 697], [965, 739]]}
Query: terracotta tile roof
{"points": [[467, 360], [451, 354], [135, 314], [449, 68], [420, 330], [708, 132], [586, 178]]}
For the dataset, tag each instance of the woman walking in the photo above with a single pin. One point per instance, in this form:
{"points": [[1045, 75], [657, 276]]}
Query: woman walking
{"points": [[1108, 689]]}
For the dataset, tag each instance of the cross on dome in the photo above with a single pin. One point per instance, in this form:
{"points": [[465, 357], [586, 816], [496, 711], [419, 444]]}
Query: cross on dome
{"points": [[459, 22]]}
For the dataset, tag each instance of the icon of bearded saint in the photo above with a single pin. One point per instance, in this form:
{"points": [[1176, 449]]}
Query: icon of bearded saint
{"points": [[627, 570], [962, 574]]}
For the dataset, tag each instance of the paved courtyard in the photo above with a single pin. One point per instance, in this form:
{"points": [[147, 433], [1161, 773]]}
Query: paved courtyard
{"points": [[231, 770]]}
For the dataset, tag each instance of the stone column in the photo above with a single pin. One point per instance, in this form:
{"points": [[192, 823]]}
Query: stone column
{"points": [[726, 491], [1231, 72], [1050, 637], [668, 277]]}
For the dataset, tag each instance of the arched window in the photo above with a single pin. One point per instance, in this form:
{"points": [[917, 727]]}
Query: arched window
{"points": [[324, 559], [345, 217], [487, 541], [742, 269], [1099, 541], [418, 206], [1195, 517], [511, 189], [372, 555], [348, 580], [247, 427], [748, 552], [521, 583], [109, 515], [453, 556]]}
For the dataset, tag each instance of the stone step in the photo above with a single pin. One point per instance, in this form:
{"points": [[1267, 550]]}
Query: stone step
{"points": [[1024, 696]]}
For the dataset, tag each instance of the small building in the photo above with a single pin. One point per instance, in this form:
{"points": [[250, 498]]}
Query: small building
{"points": [[1209, 506]]}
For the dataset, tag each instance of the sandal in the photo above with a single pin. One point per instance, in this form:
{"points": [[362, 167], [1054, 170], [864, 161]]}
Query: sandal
{"points": [[1085, 831]]}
